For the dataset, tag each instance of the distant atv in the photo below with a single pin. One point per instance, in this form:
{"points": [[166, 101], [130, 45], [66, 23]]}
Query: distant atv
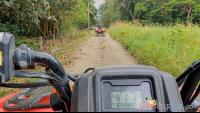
{"points": [[100, 31]]}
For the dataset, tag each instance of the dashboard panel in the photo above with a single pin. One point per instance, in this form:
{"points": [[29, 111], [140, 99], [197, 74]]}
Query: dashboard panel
{"points": [[135, 88]]}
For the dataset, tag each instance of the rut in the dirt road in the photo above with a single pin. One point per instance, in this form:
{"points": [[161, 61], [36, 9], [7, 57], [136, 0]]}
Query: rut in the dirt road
{"points": [[100, 51]]}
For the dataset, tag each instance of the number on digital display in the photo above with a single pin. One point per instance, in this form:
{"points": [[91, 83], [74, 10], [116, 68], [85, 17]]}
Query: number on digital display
{"points": [[128, 99], [115, 97]]}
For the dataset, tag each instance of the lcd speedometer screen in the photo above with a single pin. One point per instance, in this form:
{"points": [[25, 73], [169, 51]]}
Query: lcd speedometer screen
{"points": [[126, 99]]}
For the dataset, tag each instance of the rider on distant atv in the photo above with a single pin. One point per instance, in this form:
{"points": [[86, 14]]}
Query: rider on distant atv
{"points": [[100, 26], [100, 30]]}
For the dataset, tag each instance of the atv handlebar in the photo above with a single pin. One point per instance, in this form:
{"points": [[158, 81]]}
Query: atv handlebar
{"points": [[25, 57]]}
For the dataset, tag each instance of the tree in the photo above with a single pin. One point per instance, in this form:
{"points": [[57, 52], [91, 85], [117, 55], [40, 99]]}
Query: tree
{"points": [[139, 7], [44, 16], [152, 11]]}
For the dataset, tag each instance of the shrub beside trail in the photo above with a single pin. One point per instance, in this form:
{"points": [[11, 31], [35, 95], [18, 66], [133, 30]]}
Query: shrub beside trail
{"points": [[169, 48]]}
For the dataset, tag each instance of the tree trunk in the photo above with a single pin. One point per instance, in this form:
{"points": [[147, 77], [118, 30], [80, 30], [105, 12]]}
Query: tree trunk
{"points": [[50, 28], [132, 14], [28, 29], [139, 15], [38, 25], [189, 13], [44, 27], [47, 28]]}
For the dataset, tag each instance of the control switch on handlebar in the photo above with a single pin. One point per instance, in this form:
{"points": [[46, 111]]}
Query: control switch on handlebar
{"points": [[22, 56]]}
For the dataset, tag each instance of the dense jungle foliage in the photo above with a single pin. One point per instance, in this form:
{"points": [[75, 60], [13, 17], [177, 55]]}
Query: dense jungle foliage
{"points": [[44, 17], [151, 11]]}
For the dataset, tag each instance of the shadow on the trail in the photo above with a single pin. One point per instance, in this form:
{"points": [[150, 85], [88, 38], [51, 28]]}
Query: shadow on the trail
{"points": [[99, 36]]}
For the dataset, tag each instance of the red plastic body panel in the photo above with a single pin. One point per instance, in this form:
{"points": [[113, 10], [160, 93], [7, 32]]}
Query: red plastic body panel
{"points": [[103, 30], [96, 29], [42, 101]]}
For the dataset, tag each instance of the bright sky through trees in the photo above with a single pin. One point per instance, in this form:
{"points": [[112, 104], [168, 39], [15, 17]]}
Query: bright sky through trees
{"points": [[98, 3]]}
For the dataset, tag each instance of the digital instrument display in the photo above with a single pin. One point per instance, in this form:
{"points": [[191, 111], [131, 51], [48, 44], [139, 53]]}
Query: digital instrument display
{"points": [[125, 96], [126, 99]]}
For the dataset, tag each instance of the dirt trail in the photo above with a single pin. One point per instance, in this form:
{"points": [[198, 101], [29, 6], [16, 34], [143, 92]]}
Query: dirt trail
{"points": [[100, 51]]}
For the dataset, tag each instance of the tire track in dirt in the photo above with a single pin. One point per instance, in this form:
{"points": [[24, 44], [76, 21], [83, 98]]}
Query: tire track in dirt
{"points": [[100, 51]]}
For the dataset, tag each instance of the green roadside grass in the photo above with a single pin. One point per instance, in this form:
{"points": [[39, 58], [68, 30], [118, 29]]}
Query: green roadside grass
{"points": [[64, 56], [168, 48]]}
